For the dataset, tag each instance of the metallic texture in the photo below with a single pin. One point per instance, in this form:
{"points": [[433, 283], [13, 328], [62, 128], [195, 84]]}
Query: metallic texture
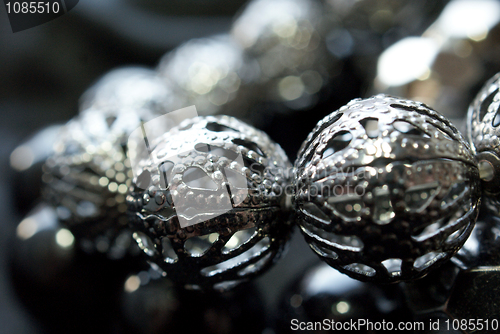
{"points": [[88, 175], [225, 250], [483, 132], [386, 189]]}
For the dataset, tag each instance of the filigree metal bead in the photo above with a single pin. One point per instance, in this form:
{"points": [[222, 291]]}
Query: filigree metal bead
{"points": [[484, 135], [88, 175], [180, 219], [386, 189]]}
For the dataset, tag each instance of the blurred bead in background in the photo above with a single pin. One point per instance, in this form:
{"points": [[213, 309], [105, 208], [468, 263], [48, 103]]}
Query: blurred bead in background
{"points": [[87, 177], [155, 306], [324, 293], [448, 64], [58, 283], [208, 73], [466, 288]]}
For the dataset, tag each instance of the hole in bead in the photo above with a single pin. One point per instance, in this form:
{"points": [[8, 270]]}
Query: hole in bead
{"points": [[168, 252], [165, 170], [216, 151], [313, 211], [425, 261], [496, 119], [255, 267], [410, 108], [483, 109], [361, 269], [383, 211], [110, 120], [253, 253], [145, 243], [199, 245], [409, 129], [486, 170], [143, 180], [328, 123], [452, 238], [393, 266], [227, 285], [197, 178], [426, 231], [250, 145], [307, 160], [217, 127], [371, 126], [235, 179], [455, 194], [338, 142], [443, 132], [343, 242], [239, 238], [255, 167], [323, 251], [346, 205], [419, 196]]}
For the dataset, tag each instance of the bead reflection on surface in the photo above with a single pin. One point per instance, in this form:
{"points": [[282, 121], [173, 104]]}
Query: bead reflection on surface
{"points": [[468, 288], [156, 306], [324, 293]]}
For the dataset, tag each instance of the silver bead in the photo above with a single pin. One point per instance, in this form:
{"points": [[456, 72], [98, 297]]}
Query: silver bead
{"points": [[386, 189], [88, 175], [209, 206], [483, 132]]}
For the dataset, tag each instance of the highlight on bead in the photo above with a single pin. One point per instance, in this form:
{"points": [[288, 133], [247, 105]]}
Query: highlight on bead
{"points": [[386, 189]]}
